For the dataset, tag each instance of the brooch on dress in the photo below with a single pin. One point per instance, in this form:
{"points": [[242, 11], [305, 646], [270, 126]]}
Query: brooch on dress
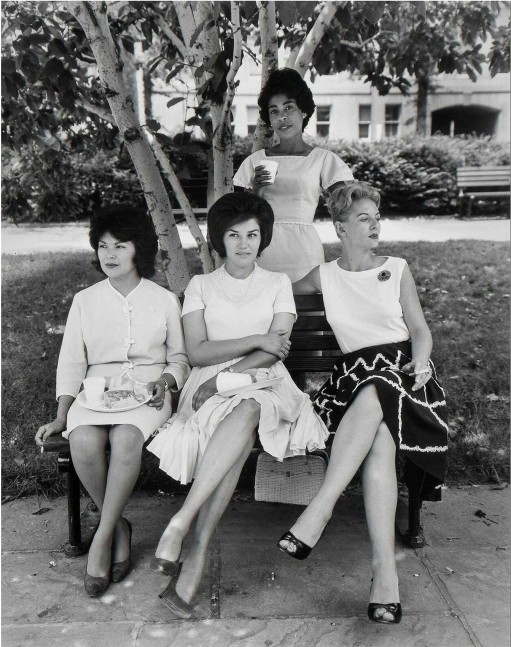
{"points": [[384, 275]]}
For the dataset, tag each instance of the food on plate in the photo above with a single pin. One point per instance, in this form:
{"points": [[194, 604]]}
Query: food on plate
{"points": [[120, 398]]}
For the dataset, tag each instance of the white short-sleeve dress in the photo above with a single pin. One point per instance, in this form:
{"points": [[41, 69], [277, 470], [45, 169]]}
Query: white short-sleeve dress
{"points": [[295, 247], [109, 335], [288, 423]]}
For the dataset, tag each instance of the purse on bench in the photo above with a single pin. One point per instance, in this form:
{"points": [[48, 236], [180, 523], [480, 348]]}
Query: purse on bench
{"points": [[293, 480]]}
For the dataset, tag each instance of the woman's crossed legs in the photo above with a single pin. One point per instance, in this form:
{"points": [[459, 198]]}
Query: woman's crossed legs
{"points": [[216, 479]]}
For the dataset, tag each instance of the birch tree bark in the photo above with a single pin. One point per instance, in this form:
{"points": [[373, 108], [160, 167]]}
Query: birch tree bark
{"points": [[92, 17], [310, 43], [263, 136]]}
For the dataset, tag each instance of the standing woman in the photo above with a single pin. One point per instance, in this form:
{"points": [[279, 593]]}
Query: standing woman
{"points": [[303, 173], [383, 396], [125, 325], [237, 318]]}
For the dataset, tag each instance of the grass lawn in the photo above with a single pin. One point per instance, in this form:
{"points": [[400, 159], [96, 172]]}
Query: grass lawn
{"points": [[463, 286]]}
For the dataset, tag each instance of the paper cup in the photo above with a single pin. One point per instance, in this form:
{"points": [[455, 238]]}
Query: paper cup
{"points": [[94, 388], [271, 166]]}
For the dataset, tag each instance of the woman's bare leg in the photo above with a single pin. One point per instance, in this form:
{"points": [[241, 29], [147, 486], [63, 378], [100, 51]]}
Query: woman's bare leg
{"points": [[223, 451], [112, 488], [353, 440], [380, 500], [207, 521]]}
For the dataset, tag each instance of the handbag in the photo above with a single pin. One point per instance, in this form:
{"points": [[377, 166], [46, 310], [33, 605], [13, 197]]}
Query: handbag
{"points": [[293, 480]]}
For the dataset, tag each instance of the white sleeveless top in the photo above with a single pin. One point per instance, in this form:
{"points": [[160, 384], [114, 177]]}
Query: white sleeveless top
{"points": [[363, 308]]}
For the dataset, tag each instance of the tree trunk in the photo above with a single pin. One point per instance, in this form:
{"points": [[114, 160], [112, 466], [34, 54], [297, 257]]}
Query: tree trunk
{"points": [[321, 24], [422, 105], [92, 17], [263, 136]]}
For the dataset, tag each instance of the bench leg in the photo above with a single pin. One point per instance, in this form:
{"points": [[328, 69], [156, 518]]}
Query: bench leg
{"points": [[74, 546], [415, 536]]}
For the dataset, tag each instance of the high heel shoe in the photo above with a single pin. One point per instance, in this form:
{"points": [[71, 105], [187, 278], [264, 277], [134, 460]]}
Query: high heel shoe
{"points": [[173, 601], [165, 566], [393, 607], [300, 550], [121, 569], [95, 586]]}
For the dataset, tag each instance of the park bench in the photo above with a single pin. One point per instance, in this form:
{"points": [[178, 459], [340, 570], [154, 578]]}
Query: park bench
{"points": [[314, 349], [481, 182]]}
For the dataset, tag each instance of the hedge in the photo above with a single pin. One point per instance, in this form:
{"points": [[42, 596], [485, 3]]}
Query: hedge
{"points": [[415, 175]]}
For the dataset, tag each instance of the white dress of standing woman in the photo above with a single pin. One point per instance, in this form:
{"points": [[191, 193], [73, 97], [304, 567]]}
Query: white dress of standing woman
{"points": [[303, 173]]}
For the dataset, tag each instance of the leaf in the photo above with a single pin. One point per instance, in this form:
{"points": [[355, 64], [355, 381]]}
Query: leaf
{"points": [[57, 47], [153, 125], [65, 81], [174, 72], [155, 64], [492, 397], [196, 33], [42, 511], [373, 11], [128, 44], [173, 101], [287, 12], [8, 65], [420, 6], [53, 68]]}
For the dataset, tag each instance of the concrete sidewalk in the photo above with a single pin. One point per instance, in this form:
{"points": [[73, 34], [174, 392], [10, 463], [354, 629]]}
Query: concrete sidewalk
{"points": [[455, 591], [26, 239]]}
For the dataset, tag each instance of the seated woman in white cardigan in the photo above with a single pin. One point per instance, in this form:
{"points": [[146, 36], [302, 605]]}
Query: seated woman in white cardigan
{"points": [[122, 326]]}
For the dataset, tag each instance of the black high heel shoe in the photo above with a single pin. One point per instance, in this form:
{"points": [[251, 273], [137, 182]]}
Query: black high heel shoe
{"points": [[95, 586], [301, 550], [165, 566], [393, 607], [121, 569], [173, 601]]}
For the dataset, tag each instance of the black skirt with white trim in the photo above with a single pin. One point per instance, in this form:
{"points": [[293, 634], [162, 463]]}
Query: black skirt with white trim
{"points": [[417, 420]]}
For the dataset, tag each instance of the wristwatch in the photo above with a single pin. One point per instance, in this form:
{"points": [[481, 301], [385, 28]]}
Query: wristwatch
{"points": [[165, 383]]}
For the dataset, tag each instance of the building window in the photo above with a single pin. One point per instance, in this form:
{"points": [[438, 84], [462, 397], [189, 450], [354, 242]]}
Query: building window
{"points": [[392, 115], [252, 117], [364, 121], [323, 120]]}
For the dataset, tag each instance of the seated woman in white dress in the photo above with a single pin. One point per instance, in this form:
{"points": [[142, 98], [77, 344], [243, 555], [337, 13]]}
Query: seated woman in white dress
{"points": [[286, 104], [125, 328], [237, 318], [383, 396]]}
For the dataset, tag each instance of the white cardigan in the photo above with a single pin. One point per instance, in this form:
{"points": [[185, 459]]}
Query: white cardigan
{"points": [[107, 334]]}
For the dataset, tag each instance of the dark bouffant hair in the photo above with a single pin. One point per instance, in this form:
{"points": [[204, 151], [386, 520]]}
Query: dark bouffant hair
{"points": [[233, 208], [127, 223], [289, 82]]}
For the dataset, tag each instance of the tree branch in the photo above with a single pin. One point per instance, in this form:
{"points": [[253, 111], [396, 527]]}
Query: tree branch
{"points": [[235, 65], [97, 110], [174, 38], [314, 36]]}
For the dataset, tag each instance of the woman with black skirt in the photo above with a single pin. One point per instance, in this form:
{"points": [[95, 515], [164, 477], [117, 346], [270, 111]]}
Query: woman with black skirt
{"points": [[383, 395]]}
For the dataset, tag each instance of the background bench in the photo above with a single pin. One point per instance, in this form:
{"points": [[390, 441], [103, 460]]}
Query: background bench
{"points": [[481, 182], [311, 333]]}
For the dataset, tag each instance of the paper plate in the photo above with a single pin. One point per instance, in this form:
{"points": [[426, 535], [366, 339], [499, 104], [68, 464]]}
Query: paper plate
{"points": [[82, 400], [255, 386]]}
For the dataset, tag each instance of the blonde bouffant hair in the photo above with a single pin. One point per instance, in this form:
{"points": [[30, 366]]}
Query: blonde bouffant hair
{"points": [[340, 200]]}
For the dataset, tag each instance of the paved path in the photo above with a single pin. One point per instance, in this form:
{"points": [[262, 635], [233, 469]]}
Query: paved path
{"points": [[31, 238], [455, 591]]}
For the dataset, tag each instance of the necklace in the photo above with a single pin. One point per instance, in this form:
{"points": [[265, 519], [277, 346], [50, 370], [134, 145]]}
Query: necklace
{"points": [[242, 298]]}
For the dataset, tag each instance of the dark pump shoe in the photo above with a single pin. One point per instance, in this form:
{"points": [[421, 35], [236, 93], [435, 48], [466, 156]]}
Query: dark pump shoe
{"points": [[393, 608], [121, 569], [95, 586], [164, 566], [300, 550], [173, 602]]}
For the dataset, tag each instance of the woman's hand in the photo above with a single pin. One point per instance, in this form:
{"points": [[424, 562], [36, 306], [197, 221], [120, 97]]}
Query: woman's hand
{"points": [[157, 388], [261, 177], [204, 392], [47, 430], [421, 371], [276, 343]]}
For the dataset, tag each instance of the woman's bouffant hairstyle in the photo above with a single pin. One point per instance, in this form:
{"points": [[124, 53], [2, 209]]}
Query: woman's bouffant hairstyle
{"points": [[232, 209], [340, 200], [127, 223], [289, 82]]}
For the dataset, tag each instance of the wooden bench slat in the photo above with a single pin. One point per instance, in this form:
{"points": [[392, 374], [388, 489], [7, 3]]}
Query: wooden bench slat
{"points": [[313, 343], [314, 323], [311, 364]]}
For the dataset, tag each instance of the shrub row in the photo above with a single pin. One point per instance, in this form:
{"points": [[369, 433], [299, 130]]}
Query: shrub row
{"points": [[415, 175]]}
